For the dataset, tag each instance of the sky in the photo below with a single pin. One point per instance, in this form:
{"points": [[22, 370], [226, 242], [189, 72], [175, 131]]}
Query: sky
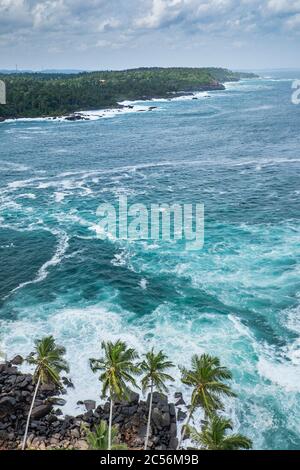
{"points": [[120, 34]]}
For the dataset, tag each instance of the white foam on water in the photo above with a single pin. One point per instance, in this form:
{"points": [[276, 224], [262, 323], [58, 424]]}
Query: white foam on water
{"points": [[59, 197], [144, 283], [281, 373], [18, 167], [26, 196]]}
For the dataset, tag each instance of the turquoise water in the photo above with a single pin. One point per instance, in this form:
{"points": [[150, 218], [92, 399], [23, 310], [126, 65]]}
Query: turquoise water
{"points": [[236, 151]]}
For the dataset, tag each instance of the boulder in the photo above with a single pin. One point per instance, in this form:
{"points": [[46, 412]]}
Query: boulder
{"points": [[57, 401], [17, 360], [67, 382], [159, 398], [75, 433], [40, 411], [180, 402], [81, 445], [48, 388], [89, 404], [181, 415], [173, 443], [7, 405]]}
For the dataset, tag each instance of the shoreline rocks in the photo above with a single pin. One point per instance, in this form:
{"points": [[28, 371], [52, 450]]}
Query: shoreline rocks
{"points": [[49, 430]]}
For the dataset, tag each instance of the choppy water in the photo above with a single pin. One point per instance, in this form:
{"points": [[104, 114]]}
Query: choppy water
{"points": [[236, 151]]}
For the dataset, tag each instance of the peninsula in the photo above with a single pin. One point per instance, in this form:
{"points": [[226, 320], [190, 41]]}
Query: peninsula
{"points": [[56, 94]]}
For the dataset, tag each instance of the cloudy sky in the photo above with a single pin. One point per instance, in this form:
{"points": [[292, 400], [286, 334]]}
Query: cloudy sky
{"points": [[116, 34]]}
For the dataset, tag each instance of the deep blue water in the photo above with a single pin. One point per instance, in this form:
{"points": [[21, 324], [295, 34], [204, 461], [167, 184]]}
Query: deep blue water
{"points": [[236, 151]]}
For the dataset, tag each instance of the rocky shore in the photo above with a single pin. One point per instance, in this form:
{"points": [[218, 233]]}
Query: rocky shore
{"points": [[49, 429]]}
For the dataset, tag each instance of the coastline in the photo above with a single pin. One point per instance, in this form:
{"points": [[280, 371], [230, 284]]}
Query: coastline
{"points": [[50, 429], [122, 107]]}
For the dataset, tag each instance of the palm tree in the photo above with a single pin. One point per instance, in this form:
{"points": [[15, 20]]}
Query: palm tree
{"points": [[207, 379], [213, 436], [154, 366], [98, 440], [117, 370], [49, 363]]}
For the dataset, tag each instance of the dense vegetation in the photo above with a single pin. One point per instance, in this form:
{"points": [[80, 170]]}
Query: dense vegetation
{"points": [[40, 94]]}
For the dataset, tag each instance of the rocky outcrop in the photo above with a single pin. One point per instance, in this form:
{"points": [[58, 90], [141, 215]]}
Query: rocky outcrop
{"points": [[49, 429], [76, 117]]}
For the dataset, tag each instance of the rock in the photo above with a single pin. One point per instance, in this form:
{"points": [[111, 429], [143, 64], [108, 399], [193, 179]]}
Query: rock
{"points": [[173, 443], [11, 370], [75, 433], [40, 411], [88, 415], [48, 388], [173, 430], [157, 418], [165, 420], [181, 415], [180, 402], [57, 401], [81, 445], [53, 441], [177, 395], [159, 398], [17, 360], [76, 117], [7, 405], [172, 410], [67, 382], [133, 398], [89, 404]]}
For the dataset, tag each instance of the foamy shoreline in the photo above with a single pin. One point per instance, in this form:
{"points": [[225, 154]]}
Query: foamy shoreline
{"points": [[123, 107]]}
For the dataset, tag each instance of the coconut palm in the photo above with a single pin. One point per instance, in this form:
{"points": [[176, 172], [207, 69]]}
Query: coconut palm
{"points": [[207, 379], [117, 370], [49, 363], [213, 436], [153, 367], [98, 439]]}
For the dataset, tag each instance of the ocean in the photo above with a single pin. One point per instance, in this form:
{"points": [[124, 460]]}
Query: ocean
{"points": [[237, 152]]}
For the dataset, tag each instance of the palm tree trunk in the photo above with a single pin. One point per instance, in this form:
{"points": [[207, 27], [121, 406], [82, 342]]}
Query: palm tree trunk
{"points": [[29, 414], [149, 417], [184, 427], [110, 423]]}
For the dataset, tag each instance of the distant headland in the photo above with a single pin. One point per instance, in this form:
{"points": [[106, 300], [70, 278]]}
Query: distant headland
{"points": [[57, 94]]}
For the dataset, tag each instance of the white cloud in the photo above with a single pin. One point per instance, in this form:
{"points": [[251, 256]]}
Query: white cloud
{"points": [[284, 6], [293, 23], [108, 22], [108, 25], [49, 14]]}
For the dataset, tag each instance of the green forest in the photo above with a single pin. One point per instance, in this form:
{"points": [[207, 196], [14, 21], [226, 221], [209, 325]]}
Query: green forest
{"points": [[43, 94]]}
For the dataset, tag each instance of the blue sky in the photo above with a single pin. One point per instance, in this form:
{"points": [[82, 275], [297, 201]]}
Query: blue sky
{"points": [[117, 34]]}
